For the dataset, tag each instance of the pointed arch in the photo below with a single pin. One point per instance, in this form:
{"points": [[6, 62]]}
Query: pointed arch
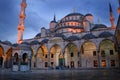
{"points": [[88, 46], [55, 52], [15, 59], [106, 46], [71, 55], [42, 52], [8, 60], [89, 54]]}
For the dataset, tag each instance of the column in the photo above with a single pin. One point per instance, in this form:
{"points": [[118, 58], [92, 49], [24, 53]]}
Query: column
{"points": [[48, 60], [3, 62], [98, 52], [63, 53], [80, 58], [29, 64], [19, 62]]}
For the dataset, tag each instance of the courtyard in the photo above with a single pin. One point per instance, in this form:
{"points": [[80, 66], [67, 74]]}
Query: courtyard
{"points": [[94, 74]]}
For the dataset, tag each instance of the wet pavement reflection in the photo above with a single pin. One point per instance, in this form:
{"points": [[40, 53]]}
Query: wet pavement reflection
{"points": [[113, 74]]}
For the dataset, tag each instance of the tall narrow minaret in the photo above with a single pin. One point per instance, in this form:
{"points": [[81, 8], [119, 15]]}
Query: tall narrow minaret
{"points": [[119, 7], [21, 26], [111, 17]]}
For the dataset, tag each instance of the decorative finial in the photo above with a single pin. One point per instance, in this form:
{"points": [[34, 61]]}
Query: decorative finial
{"points": [[74, 10], [98, 20], [54, 17]]}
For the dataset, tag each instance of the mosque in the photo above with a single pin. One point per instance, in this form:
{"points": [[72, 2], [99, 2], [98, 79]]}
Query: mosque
{"points": [[74, 42]]}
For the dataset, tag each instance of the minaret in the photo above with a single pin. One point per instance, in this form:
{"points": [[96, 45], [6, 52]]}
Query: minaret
{"points": [[21, 26], [119, 7], [111, 17]]}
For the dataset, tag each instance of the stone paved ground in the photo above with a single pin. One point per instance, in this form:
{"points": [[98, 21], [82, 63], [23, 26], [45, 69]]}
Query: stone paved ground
{"points": [[101, 74]]}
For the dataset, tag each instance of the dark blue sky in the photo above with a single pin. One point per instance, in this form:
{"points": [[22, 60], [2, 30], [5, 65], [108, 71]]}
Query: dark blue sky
{"points": [[40, 12]]}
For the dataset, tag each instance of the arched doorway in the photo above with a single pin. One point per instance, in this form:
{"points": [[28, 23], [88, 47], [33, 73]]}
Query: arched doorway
{"points": [[89, 55], [56, 56], [8, 61], [42, 57], [71, 56], [15, 59], [1, 56], [24, 59], [106, 51], [15, 66]]}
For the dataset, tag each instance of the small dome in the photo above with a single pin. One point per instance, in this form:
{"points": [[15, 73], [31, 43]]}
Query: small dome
{"points": [[72, 38], [88, 36], [59, 35], [35, 42], [43, 28], [45, 41], [88, 14], [38, 35], [26, 43], [99, 26], [7, 43], [105, 34], [15, 45]]}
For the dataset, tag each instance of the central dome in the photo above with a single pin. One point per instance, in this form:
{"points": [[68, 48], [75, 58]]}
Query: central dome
{"points": [[74, 14], [71, 22]]}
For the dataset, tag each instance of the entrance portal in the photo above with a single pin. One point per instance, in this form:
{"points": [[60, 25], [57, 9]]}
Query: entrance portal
{"points": [[61, 62], [72, 64]]}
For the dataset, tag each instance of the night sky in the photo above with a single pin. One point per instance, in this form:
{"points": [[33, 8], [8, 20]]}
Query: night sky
{"points": [[40, 12]]}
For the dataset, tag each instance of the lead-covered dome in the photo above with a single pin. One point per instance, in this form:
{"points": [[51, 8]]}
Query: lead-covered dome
{"points": [[71, 23]]}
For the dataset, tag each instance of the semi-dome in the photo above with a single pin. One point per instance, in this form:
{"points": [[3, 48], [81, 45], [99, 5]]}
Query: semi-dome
{"points": [[105, 34], [99, 26]]}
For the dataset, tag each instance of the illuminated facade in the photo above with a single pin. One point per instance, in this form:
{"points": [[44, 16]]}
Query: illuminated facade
{"points": [[74, 42]]}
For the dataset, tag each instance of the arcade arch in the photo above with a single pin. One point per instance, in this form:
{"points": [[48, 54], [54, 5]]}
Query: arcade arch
{"points": [[8, 60], [56, 56], [42, 57], [71, 56], [106, 50], [89, 55]]}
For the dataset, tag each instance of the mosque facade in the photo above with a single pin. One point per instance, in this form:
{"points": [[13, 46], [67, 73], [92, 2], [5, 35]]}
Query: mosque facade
{"points": [[74, 42]]}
